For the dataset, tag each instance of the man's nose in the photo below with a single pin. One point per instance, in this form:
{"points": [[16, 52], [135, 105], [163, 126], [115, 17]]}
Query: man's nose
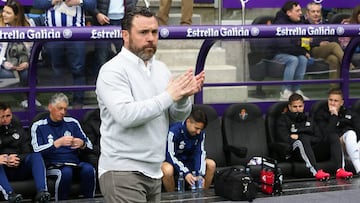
{"points": [[150, 36]]}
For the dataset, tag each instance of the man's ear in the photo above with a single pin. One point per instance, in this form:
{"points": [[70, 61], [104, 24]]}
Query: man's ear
{"points": [[342, 102], [125, 35], [49, 107], [288, 13]]}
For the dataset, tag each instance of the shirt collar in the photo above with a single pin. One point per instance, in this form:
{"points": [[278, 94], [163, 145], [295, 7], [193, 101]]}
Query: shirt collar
{"points": [[132, 57], [136, 60]]}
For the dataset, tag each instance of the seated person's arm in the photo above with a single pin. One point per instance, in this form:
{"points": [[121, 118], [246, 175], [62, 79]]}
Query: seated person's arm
{"points": [[3, 159], [80, 139], [41, 4], [41, 143], [282, 130]]}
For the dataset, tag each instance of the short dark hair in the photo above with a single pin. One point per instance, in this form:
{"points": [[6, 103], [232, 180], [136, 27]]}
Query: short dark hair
{"points": [[4, 106], [126, 22], [289, 5], [198, 116], [295, 97], [336, 91]]}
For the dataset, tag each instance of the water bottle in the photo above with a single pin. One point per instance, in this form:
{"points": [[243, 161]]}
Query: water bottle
{"points": [[181, 183], [310, 61], [200, 181], [193, 186]]}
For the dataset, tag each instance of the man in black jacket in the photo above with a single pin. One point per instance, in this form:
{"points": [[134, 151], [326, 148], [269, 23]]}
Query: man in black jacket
{"points": [[17, 159], [335, 119], [298, 130], [108, 13], [289, 50]]}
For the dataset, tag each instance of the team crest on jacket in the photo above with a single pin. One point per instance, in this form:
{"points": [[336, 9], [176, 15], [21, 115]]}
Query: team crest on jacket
{"points": [[67, 133], [182, 145], [50, 138], [16, 136]]}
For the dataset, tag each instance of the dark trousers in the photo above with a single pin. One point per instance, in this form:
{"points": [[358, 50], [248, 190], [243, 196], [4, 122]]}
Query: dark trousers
{"points": [[31, 167], [65, 175]]}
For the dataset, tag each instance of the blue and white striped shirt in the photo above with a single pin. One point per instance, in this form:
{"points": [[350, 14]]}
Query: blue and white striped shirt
{"points": [[55, 18], [62, 16]]}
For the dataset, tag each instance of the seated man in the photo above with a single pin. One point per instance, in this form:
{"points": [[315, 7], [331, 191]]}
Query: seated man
{"points": [[17, 159], [324, 47], [288, 50], [59, 139], [297, 129], [185, 152], [336, 120]]}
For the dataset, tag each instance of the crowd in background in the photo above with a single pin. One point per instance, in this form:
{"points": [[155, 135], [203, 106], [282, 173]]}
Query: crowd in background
{"points": [[59, 138], [84, 59]]}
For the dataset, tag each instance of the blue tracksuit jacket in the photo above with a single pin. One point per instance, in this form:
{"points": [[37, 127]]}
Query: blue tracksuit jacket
{"points": [[44, 132], [184, 151]]}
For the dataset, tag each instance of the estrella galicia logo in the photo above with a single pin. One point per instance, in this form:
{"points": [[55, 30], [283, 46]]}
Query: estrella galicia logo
{"points": [[254, 31], [164, 32], [67, 33], [340, 31]]}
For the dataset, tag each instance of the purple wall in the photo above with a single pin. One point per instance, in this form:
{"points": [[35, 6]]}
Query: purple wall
{"points": [[279, 3], [23, 2]]}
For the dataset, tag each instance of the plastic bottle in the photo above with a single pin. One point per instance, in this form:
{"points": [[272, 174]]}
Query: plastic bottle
{"points": [[310, 61], [247, 170], [181, 183], [193, 186], [200, 181]]}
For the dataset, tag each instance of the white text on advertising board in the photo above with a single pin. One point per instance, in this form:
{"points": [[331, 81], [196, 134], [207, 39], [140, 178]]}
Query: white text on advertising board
{"points": [[212, 32], [31, 34], [102, 34], [301, 31]]}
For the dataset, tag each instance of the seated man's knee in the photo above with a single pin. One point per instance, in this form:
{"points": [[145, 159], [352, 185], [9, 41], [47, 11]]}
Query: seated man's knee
{"points": [[36, 157], [167, 169], [349, 136], [66, 173], [333, 61], [88, 170], [210, 164]]}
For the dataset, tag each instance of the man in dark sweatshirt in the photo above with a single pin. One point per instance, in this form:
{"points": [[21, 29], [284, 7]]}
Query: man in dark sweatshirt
{"points": [[17, 159], [289, 51]]}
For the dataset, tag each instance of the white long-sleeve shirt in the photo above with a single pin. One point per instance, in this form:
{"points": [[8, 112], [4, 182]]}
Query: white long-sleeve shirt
{"points": [[135, 113]]}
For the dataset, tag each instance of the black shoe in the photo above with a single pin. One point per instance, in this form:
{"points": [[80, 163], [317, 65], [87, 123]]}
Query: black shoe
{"points": [[14, 198], [43, 197]]}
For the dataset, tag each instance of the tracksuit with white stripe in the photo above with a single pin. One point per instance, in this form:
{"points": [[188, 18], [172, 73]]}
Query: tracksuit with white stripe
{"points": [[309, 137], [185, 152], [63, 162]]}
